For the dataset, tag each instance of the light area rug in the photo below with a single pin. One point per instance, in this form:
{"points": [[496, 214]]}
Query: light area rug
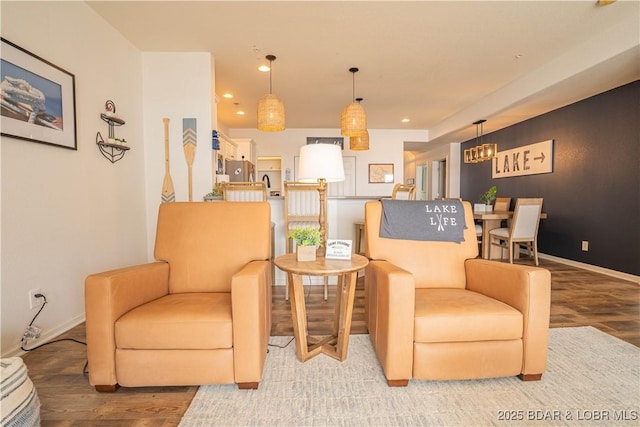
{"points": [[592, 379]]}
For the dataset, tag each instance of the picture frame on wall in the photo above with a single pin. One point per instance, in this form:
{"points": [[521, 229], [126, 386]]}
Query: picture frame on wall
{"points": [[38, 99], [380, 173]]}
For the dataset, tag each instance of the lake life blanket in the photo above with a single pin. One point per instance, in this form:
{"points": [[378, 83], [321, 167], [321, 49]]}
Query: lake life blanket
{"points": [[430, 220]]}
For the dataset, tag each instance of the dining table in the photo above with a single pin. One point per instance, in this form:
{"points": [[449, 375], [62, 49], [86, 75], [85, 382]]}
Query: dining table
{"points": [[491, 220]]}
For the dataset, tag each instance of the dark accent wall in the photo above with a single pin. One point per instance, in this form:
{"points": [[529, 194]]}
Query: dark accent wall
{"points": [[594, 191]]}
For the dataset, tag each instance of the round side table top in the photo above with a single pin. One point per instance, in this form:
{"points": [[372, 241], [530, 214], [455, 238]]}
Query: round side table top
{"points": [[321, 266]]}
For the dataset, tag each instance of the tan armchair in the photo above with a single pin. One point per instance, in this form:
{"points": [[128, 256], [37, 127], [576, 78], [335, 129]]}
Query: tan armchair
{"points": [[201, 314], [435, 311]]}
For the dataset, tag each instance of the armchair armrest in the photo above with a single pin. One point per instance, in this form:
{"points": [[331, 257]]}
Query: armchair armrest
{"points": [[108, 295], [527, 289], [251, 308], [391, 308]]}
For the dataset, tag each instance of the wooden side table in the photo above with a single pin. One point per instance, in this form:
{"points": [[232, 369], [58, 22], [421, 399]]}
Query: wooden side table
{"points": [[337, 344]]}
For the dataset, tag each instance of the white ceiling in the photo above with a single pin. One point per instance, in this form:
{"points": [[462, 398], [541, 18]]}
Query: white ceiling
{"points": [[442, 64]]}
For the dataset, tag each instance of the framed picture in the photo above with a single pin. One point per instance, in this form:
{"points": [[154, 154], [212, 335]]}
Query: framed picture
{"points": [[38, 99], [381, 172]]}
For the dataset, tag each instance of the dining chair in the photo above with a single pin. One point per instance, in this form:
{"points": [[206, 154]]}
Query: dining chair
{"points": [[302, 209], [403, 192], [502, 204], [251, 191], [523, 230], [254, 191]]}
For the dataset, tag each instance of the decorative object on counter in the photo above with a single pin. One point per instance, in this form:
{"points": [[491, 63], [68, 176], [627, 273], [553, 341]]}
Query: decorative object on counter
{"points": [[215, 142], [380, 173], [307, 242], [353, 120], [38, 99], [168, 195], [271, 115], [321, 163], [486, 200], [481, 151], [189, 142], [113, 149], [338, 249]]}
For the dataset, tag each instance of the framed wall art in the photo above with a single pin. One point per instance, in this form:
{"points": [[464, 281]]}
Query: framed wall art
{"points": [[38, 99], [381, 172]]}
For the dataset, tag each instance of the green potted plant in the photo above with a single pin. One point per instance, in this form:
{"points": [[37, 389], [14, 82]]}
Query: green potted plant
{"points": [[307, 241], [488, 198]]}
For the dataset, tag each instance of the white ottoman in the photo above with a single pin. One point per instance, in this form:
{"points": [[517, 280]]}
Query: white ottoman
{"points": [[19, 403]]}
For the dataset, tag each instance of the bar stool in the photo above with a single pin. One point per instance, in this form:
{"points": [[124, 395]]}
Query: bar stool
{"points": [[302, 209]]}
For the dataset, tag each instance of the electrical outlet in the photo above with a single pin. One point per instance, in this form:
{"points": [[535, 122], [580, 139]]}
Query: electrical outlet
{"points": [[585, 245], [33, 301]]}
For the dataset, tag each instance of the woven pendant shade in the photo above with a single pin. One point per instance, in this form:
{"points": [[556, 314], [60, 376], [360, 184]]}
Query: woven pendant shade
{"points": [[270, 109], [360, 142], [353, 121], [271, 114]]}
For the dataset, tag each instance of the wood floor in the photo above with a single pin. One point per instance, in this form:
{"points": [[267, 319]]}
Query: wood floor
{"points": [[579, 298]]}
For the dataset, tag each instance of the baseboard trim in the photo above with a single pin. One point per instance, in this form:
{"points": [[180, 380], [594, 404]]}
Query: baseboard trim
{"points": [[606, 271], [50, 335]]}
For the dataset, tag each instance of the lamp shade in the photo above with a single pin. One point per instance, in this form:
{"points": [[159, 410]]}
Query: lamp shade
{"points": [[360, 142], [353, 120], [320, 161], [271, 114]]}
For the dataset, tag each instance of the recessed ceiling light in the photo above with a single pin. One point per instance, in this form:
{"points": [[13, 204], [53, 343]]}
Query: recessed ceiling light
{"points": [[405, 120], [518, 56], [227, 95], [264, 68], [240, 113]]}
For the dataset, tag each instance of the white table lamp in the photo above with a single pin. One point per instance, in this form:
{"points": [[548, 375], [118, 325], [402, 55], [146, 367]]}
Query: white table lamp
{"points": [[321, 163]]}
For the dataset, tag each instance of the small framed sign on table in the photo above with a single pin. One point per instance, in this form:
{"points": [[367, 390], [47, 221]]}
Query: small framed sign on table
{"points": [[338, 249]]}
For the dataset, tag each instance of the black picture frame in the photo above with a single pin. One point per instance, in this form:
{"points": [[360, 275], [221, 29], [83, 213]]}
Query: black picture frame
{"points": [[38, 99]]}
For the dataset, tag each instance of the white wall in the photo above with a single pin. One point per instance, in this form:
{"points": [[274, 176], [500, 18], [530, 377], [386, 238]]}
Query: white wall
{"points": [[176, 86], [66, 214], [385, 146]]}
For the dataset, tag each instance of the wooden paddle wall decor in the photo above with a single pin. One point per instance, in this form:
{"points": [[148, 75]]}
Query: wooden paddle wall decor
{"points": [[189, 142], [168, 195]]}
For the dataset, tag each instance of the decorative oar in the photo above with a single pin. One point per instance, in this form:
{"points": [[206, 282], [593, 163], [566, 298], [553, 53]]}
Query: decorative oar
{"points": [[189, 141], [168, 194]]}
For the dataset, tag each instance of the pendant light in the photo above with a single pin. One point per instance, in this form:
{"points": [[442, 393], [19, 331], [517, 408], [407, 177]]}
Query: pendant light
{"points": [[270, 108], [481, 151], [359, 142], [353, 121]]}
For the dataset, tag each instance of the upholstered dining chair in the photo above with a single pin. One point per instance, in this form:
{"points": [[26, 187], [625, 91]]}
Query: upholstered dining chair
{"points": [[302, 209], [523, 229], [403, 192]]}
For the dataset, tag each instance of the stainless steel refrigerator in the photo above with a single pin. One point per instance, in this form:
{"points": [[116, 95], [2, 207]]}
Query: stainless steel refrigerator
{"points": [[240, 171]]}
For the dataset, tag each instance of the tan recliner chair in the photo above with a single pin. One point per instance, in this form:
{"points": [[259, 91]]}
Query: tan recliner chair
{"points": [[201, 314], [435, 311]]}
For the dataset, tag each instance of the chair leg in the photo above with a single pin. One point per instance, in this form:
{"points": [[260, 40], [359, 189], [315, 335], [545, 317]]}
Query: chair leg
{"points": [[535, 251], [248, 386], [397, 383], [511, 248], [326, 288], [530, 377]]}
